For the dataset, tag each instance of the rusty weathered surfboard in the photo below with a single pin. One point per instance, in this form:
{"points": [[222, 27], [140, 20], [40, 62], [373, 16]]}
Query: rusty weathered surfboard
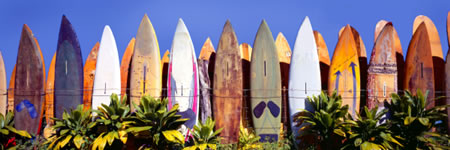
{"points": [[246, 117], [324, 59], [29, 84], [436, 52], [398, 53], [125, 66], [228, 86], [68, 70], [361, 48], [419, 64], [165, 67], [89, 74], [49, 94], [204, 80], [382, 73], [265, 85], [145, 76], [344, 75], [12, 80], [284, 56]]}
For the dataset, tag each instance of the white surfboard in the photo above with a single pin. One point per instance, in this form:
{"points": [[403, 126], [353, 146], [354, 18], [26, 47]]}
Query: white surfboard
{"points": [[304, 75], [107, 74], [182, 80]]}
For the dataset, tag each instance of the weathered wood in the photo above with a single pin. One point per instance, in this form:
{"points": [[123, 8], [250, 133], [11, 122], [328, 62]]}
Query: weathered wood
{"points": [[29, 84], [3, 87], [436, 52], [398, 53], [419, 65], [382, 73], [228, 86], [246, 116], [165, 67]]}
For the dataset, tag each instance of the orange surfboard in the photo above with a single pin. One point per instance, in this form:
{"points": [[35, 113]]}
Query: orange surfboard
{"points": [[382, 73], [436, 52], [246, 53], [11, 90], [324, 59], [49, 101], [419, 64], [344, 75], [447, 73], [89, 75], [398, 52], [284, 56], [361, 48], [165, 67], [207, 50], [125, 68]]}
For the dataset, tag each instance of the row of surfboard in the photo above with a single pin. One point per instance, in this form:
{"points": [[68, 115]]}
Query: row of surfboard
{"points": [[265, 70]]}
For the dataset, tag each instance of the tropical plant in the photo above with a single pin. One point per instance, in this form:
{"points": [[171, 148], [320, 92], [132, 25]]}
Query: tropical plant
{"points": [[205, 136], [74, 130], [411, 120], [154, 126], [8, 133], [248, 140], [109, 124], [367, 133], [321, 127]]}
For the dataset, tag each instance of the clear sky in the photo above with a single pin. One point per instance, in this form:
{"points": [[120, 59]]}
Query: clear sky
{"points": [[205, 18]]}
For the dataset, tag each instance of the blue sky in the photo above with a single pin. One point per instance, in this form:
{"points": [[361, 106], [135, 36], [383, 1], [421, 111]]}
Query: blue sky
{"points": [[205, 18]]}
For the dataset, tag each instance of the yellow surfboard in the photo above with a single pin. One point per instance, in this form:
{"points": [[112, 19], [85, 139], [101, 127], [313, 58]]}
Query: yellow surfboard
{"points": [[344, 75]]}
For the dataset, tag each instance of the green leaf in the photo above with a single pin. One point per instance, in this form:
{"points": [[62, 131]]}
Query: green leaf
{"points": [[174, 136], [409, 120], [424, 121], [4, 132], [65, 141], [78, 141], [358, 142], [370, 146]]}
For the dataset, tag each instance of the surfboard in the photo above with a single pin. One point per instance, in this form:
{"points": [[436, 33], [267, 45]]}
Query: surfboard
{"points": [[204, 80], [324, 59], [165, 67], [68, 70], [361, 49], [89, 74], [145, 77], [436, 52], [107, 73], [382, 73], [419, 64], [3, 87], [398, 52], [29, 84], [182, 84], [49, 94], [125, 66], [228, 86], [284, 56], [246, 117], [447, 73], [11, 90], [344, 75], [304, 58], [265, 85]]}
